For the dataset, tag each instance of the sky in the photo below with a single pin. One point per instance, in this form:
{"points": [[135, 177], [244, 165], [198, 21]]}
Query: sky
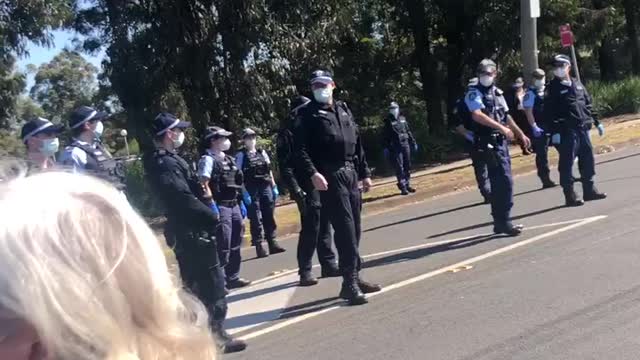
{"points": [[39, 55]]}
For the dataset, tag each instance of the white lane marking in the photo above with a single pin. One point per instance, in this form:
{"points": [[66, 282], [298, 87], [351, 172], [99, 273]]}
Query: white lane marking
{"points": [[286, 272], [425, 276]]}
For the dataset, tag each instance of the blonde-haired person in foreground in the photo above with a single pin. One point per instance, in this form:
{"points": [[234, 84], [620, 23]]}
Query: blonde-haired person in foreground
{"points": [[83, 277]]}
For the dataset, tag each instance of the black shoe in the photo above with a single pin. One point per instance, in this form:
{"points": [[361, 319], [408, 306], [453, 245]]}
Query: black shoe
{"points": [[352, 293], [510, 230], [228, 344], [330, 271], [572, 199], [410, 189], [307, 279], [404, 192], [548, 184], [238, 283], [487, 199], [275, 248], [367, 287], [594, 194], [261, 252]]}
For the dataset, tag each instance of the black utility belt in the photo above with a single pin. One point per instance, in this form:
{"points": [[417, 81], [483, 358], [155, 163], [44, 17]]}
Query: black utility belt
{"points": [[345, 165], [227, 203], [494, 138]]}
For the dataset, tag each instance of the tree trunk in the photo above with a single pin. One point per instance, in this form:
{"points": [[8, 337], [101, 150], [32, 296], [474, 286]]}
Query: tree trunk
{"points": [[607, 60], [631, 10], [427, 65]]}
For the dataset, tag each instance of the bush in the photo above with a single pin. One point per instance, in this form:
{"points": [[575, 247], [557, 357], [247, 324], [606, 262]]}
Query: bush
{"points": [[616, 98], [139, 193]]}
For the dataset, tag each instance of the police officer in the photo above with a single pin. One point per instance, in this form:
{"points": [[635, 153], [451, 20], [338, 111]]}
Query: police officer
{"points": [[534, 109], [86, 153], [515, 97], [315, 232], [569, 109], [223, 182], [261, 186], [464, 126], [399, 143], [495, 128], [40, 136], [190, 223], [327, 143]]}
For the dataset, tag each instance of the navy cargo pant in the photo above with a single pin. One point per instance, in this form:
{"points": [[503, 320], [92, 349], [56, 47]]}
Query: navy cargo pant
{"points": [[229, 236], [541, 148], [576, 143], [401, 156], [261, 212], [315, 233], [499, 168], [480, 170], [342, 204], [200, 271]]}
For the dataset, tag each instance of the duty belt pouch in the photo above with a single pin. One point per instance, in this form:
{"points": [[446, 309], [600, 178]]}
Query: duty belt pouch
{"points": [[487, 147]]}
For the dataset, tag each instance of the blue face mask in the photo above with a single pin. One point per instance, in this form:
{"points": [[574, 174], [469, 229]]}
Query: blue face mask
{"points": [[49, 147], [99, 129]]}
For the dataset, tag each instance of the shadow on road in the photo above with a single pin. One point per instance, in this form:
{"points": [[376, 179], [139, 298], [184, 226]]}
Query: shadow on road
{"points": [[617, 159], [309, 307], [259, 292], [477, 226]]}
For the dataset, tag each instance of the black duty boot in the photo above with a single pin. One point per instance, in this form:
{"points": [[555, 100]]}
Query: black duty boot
{"points": [[508, 229], [261, 252], [227, 343], [591, 193], [487, 198], [410, 189], [351, 291], [238, 283], [307, 279], [275, 248], [404, 191], [547, 183], [571, 198], [330, 271], [368, 287]]}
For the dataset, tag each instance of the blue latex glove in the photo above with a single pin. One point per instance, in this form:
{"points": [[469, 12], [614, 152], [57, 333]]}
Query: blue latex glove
{"points": [[275, 192], [470, 137], [215, 209], [601, 130], [555, 139], [415, 147], [243, 210], [246, 198], [386, 153], [537, 132]]}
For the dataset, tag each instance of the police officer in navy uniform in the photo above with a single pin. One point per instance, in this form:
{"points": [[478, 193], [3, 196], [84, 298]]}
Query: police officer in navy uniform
{"points": [[86, 152], [533, 104], [399, 142], [223, 182], [261, 186], [327, 143], [40, 137], [464, 126], [495, 128], [191, 224], [569, 109], [315, 232]]}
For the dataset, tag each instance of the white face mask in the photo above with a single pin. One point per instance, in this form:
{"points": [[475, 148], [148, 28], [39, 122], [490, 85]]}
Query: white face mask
{"points": [[49, 147], [179, 141], [487, 80], [395, 112], [560, 72], [539, 84], [250, 144], [99, 129], [323, 95], [225, 145]]}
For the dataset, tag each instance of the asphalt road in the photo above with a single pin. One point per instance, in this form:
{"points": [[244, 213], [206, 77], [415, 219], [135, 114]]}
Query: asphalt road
{"points": [[568, 288]]}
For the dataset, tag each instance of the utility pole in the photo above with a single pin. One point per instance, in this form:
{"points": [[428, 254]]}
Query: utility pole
{"points": [[529, 14]]}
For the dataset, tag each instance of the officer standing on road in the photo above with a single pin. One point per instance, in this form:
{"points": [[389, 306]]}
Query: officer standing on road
{"points": [[534, 108], [327, 143], [261, 186], [223, 182], [315, 232], [515, 96], [399, 143], [569, 108], [40, 136], [495, 128], [190, 224], [464, 127]]}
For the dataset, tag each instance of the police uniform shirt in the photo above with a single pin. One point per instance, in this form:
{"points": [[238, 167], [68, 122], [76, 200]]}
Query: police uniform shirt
{"points": [[531, 100], [240, 158], [474, 100], [205, 165], [74, 156], [569, 101]]}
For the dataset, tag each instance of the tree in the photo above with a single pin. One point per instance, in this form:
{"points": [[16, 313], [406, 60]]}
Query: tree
{"points": [[11, 85], [64, 83], [632, 16]]}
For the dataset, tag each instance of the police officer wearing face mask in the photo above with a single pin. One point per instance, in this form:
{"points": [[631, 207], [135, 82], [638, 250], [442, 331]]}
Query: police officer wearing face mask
{"points": [[327, 143], [569, 110], [86, 153], [515, 97], [465, 126], [261, 186], [223, 183], [534, 108], [40, 136], [399, 143], [315, 232], [191, 224], [495, 128]]}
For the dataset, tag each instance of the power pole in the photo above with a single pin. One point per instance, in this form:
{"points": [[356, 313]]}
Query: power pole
{"points": [[529, 12]]}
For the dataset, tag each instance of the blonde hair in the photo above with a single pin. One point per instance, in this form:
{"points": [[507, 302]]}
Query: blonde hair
{"points": [[89, 275]]}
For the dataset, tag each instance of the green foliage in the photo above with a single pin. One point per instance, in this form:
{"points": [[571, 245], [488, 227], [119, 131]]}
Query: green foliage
{"points": [[10, 145], [617, 98], [138, 193]]}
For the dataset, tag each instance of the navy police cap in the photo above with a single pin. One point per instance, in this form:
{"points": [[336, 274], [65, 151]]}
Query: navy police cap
{"points": [[38, 126], [167, 121], [85, 113]]}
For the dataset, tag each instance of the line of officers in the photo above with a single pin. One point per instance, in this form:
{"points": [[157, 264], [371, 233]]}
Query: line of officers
{"points": [[324, 166]]}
